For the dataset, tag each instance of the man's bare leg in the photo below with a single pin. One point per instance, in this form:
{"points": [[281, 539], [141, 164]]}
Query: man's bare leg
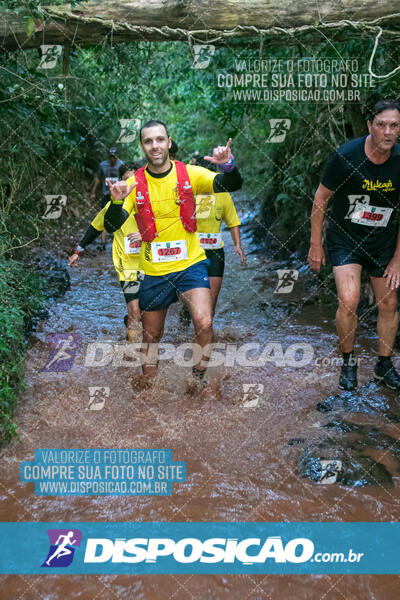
{"points": [[215, 286], [348, 285], [388, 316], [134, 328], [199, 304], [153, 329]]}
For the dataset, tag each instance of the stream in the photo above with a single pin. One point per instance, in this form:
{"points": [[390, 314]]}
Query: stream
{"points": [[251, 438]]}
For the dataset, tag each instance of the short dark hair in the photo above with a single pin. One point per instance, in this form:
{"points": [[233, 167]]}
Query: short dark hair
{"points": [[380, 106], [129, 166], [152, 123], [174, 147]]}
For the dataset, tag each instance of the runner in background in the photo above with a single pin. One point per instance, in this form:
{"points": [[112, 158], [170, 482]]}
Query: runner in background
{"points": [[211, 211], [107, 169], [173, 151], [363, 179], [125, 252]]}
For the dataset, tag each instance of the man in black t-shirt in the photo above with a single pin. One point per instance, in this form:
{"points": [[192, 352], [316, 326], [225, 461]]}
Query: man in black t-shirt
{"points": [[363, 179]]}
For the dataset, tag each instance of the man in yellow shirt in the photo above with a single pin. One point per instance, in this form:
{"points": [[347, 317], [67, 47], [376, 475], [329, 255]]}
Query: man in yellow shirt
{"points": [[125, 253], [175, 266], [211, 211]]}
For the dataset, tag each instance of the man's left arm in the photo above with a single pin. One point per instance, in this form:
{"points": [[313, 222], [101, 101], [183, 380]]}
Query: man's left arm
{"points": [[229, 180]]}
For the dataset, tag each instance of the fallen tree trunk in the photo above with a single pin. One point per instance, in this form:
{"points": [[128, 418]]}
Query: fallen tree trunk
{"points": [[161, 20]]}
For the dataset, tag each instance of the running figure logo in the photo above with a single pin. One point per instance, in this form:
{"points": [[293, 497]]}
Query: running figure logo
{"points": [[252, 394], [353, 200], [129, 129], [61, 551], [54, 206], [330, 469], [279, 129], [204, 204], [130, 287], [63, 348], [97, 397], [286, 280], [50, 54], [202, 55]]}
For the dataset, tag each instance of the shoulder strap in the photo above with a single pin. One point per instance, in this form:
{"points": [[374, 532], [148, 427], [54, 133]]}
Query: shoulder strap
{"points": [[186, 198]]}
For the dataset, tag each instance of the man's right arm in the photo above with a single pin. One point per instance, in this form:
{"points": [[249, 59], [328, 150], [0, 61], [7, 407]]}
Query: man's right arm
{"points": [[121, 195], [115, 217], [316, 255], [93, 232]]}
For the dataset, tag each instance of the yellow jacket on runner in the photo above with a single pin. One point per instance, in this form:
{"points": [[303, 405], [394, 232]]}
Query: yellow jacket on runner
{"points": [[125, 255]]}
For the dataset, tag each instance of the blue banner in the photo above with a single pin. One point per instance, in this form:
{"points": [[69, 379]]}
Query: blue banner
{"points": [[200, 548]]}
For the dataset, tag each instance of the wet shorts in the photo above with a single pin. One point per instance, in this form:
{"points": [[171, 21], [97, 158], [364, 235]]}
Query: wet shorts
{"points": [[158, 292], [217, 262], [131, 289], [341, 252]]}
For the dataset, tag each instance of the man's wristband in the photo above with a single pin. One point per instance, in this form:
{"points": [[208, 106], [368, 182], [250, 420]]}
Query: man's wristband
{"points": [[228, 166]]}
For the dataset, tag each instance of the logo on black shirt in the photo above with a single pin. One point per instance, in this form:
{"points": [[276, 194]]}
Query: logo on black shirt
{"points": [[372, 186]]}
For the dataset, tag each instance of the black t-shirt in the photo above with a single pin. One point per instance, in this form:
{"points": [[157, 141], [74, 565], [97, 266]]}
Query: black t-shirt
{"points": [[366, 196]]}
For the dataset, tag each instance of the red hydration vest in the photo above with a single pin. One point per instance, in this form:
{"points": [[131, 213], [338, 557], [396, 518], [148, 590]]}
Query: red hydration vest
{"points": [[145, 217]]}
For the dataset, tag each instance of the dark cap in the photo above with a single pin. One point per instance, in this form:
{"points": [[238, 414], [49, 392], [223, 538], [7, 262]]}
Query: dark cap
{"points": [[113, 150]]}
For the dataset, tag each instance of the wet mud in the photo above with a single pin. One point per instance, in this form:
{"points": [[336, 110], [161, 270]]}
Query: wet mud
{"points": [[251, 437]]}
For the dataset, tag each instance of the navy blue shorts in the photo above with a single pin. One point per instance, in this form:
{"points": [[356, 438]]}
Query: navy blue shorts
{"points": [[159, 291], [131, 289], [343, 252]]}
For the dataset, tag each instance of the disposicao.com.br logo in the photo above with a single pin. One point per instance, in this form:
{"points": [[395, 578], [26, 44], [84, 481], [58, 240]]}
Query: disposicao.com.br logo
{"points": [[248, 551]]}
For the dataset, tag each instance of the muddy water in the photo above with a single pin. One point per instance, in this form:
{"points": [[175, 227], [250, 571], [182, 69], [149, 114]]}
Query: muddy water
{"points": [[242, 463]]}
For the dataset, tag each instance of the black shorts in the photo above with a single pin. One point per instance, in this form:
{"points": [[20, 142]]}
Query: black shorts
{"points": [[104, 199], [345, 252], [217, 262], [130, 289]]}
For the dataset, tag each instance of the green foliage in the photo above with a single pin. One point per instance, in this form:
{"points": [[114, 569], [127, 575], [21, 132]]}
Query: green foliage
{"points": [[56, 127], [31, 8], [20, 297]]}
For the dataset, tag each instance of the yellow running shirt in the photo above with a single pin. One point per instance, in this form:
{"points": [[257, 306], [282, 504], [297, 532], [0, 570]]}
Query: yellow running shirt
{"points": [[171, 233], [211, 210], [126, 264]]}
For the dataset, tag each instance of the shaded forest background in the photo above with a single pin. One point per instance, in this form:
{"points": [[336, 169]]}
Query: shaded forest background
{"points": [[57, 124]]}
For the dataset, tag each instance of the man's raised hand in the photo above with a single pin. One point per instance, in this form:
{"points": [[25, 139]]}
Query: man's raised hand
{"points": [[119, 189], [221, 154]]}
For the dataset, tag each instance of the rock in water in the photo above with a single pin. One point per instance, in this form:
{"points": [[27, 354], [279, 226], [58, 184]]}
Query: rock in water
{"points": [[371, 399]]}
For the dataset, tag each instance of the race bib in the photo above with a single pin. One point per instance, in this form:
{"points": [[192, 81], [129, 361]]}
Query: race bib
{"points": [[373, 216], [112, 179], [167, 251], [210, 240], [132, 247]]}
